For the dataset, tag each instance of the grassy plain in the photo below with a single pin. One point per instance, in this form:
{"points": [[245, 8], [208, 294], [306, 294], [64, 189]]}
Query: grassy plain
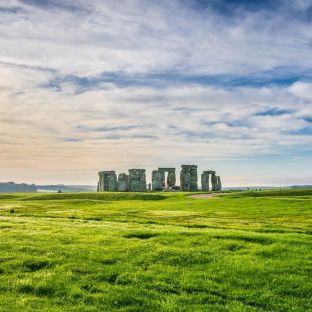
{"points": [[248, 251]]}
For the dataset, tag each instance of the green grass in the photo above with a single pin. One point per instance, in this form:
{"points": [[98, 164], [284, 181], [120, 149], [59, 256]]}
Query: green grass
{"points": [[248, 251]]}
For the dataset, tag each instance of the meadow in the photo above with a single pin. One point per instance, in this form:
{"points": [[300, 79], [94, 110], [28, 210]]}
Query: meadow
{"points": [[247, 251]]}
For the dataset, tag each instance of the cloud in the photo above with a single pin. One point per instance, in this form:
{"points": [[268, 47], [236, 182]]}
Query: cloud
{"points": [[302, 90], [92, 37], [87, 85]]}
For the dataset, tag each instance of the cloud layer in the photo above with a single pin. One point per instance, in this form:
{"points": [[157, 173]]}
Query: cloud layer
{"points": [[96, 85]]}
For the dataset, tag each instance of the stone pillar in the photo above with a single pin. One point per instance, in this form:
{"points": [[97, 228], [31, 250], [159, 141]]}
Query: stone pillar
{"points": [[137, 180], [158, 180], [100, 187], [107, 181], [219, 185], [184, 179], [123, 182], [171, 178], [112, 183], [214, 182], [193, 179], [205, 181], [188, 178]]}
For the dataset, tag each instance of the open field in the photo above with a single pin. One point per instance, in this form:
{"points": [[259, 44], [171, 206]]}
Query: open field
{"points": [[248, 251]]}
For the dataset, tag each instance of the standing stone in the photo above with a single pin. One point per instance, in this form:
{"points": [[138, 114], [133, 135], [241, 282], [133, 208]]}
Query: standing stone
{"points": [[214, 182], [205, 179], [171, 178], [158, 180], [112, 183], [193, 179], [219, 185], [137, 180], [123, 182], [188, 178], [107, 181], [100, 187], [184, 179]]}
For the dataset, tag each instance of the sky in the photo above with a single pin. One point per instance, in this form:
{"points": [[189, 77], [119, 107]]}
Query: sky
{"points": [[90, 85]]}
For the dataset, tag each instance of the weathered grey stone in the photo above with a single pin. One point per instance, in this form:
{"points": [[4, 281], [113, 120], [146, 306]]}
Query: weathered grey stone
{"points": [[100, 187], [188, 178], [101, 182], [171, 178], [205, 181], [158, 180], [193, 179], [123, 182], [107, 181], [185, 179], [210, 172], [137, 180], [214, 182], [219, 185], [112, 183]]}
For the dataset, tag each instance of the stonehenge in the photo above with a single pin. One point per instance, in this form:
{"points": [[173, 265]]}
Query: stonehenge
{"points": [[162, 179]]}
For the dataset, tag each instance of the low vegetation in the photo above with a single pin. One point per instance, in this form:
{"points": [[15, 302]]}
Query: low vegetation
{"points": [[248, 251]]}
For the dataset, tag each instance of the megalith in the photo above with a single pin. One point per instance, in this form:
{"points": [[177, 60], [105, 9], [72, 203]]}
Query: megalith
{"points": [[171, 177], [205, 179], [137, 180], [219, 185], [123, 182], [214, 182], [107, 181], [158, 180], [188, 178]]}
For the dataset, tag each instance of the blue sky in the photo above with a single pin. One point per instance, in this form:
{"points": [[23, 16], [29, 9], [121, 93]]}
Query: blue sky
{"points": [[95, 85]]}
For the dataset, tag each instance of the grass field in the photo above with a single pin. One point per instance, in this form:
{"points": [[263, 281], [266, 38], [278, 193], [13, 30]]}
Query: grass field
{"points": [[249, 251]]}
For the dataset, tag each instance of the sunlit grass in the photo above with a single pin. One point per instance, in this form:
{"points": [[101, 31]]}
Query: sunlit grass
{"points": [[156, 252]]}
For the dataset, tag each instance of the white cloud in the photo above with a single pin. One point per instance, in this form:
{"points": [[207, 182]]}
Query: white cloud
{"points": [[58, 132], [139, 37], [302, 90]]}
